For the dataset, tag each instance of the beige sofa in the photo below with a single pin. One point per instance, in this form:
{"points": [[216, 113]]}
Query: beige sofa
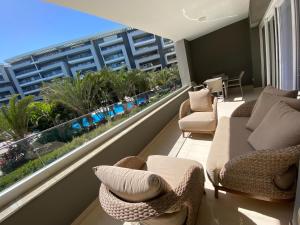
{"points": [[176, 205], [234, 166]]}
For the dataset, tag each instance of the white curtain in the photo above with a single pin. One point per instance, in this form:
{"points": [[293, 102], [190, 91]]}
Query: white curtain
{"points": [[286, 45]]}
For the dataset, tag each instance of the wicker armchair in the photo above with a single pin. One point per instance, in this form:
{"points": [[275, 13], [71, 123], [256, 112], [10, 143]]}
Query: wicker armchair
{"points": [[243, 170], [198, 122], [182, 196]]}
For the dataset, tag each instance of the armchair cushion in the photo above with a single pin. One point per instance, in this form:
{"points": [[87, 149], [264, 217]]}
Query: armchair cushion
{"points": [[198, 121], [201, 101], [170, 169], [280, 128], [132, 185], [264, 104]]}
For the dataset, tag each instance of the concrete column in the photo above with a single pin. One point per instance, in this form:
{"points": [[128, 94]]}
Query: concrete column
{"points": [[184, 64]]}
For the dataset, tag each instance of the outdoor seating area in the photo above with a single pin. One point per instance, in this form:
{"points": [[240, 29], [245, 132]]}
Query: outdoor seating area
{"points": [[190, 116], [228, 208]]}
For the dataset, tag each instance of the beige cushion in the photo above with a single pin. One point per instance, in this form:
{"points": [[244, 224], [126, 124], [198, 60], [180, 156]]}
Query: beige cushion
{"points": [[230, 141], [132, 185], [278, 92], [170, 169], [275, 91], [264, 104], [198, 121], [201, 101], [175, 218], [288, 179], [280, 128]]}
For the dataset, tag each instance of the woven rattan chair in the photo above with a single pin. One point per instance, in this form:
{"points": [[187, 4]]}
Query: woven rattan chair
{"points": [[187, 195]]}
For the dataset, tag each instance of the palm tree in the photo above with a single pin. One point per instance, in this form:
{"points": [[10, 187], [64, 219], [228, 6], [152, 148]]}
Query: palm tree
{"points": [[80, 94], [14, 118]]}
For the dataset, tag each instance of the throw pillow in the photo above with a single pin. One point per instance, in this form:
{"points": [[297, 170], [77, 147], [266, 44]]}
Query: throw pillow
{"points": [[201, 101]]}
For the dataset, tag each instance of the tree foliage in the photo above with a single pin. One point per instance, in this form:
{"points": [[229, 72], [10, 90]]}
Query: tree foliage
{"points": [[14, 117]]}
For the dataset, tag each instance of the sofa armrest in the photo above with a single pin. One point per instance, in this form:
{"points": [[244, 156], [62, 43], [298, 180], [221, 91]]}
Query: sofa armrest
{"points": [[131, 162], [185, 109], [256, 170], [244, 110]]}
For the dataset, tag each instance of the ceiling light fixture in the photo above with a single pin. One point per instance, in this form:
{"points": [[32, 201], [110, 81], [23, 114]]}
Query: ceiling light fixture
{"points": [[203, 19]]}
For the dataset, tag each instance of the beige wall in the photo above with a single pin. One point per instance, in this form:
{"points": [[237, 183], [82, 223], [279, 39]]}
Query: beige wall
{"points": [[64, 201]]}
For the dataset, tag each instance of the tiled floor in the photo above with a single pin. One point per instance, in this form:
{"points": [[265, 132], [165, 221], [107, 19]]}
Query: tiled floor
{"points": [[229, 209]]}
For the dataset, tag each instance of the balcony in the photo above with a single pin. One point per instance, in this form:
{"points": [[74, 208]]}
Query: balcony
{"points": [[206, 45], [27, 73], [110, 42], [229, 208], [166, 43], [22, 63], [146, 59], [82, 66], [83, 59], [171, 58], [144, 41], [163, 138], [58, 54]]}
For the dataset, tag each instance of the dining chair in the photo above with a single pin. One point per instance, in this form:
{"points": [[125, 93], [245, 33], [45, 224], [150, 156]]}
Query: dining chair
{"points": [[215, 85], [236, 82]]}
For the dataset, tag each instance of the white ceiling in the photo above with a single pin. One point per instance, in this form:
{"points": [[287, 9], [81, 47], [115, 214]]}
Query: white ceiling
{"points": [[174, 19]]}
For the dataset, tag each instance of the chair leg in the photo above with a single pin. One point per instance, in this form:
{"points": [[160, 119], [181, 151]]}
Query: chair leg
{"points": [[183, 134], [216, 193], [242, 91]]}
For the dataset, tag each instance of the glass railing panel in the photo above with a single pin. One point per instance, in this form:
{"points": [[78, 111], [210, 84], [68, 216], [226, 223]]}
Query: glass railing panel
{"points": [[22, 158]]}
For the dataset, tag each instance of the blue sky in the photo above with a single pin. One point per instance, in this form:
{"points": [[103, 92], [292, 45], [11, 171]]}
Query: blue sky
{"points": [[28, 25]]}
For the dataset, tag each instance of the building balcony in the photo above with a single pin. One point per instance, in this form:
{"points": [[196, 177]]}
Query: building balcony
{"points": [[144, 50], [167, 43], [31, 91], [86, 58], [22, 64], [78, 68], [28, 74], [151, 66], [37, 81], [145, 59], [170, 58], [145, 41], [111, 42], [116, 59], [40, 59]]}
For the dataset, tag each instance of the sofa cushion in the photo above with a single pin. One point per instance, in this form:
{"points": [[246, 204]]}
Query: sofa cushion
{"points": [[198, 121], [264, 104], [230, 141], [201, 101], [287, 179], [280, 128], [278, 92], [170, 169], [132, 185]]}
